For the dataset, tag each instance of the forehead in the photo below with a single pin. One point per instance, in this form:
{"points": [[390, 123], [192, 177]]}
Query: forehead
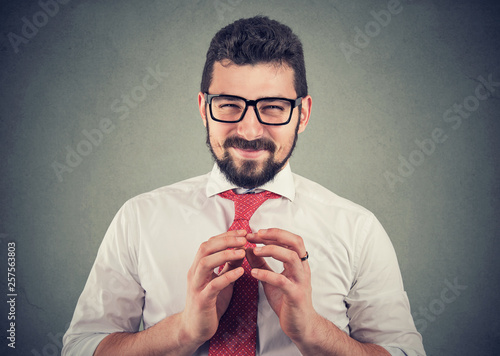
{"points": [[253, 81]]}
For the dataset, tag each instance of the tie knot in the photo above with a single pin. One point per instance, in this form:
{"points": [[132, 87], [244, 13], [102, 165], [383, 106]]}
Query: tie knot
{"points": [[246, 204]]}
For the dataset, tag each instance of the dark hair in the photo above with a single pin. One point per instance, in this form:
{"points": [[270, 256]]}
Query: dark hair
{"points": [[257, 40]]}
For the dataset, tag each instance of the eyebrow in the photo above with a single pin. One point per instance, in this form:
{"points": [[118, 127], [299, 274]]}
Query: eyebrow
{"points": [[260, 97], [230, 98]]}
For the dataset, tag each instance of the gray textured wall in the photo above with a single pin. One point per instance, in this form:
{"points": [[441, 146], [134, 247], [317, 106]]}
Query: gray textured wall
{"points": [[401, 124]]}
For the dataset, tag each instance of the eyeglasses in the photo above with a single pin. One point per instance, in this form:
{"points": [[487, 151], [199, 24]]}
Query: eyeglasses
{"points": [[269, 111]]}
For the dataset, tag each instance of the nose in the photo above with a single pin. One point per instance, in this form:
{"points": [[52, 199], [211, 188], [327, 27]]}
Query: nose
{"points": [[249, 127]]}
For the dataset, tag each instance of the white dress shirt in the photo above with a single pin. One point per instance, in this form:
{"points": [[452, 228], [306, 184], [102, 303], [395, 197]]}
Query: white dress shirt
{"points": [[141, 267]]}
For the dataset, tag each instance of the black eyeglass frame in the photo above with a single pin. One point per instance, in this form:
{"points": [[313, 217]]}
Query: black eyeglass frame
{"points": [[294, 103]]}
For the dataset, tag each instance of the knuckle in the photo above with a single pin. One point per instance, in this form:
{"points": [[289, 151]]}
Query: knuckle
{"points": [[274, 231], [204, 248], [216, 237], [210, 288], [227, 240], [203, 263], [229, 253], [281, 281], [291, 254]]}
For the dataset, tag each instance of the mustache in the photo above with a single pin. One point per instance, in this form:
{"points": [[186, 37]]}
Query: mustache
{"points": [[258, 144]]}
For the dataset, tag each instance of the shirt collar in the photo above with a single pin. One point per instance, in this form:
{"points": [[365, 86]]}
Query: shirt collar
{"points": [[282, 183]]}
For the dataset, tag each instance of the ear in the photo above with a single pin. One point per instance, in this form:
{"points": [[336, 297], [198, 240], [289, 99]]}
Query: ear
{"points": [[202, 107], [305, 113]]}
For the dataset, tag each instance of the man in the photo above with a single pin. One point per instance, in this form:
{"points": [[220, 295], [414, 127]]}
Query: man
{"points": [[346, 299]]}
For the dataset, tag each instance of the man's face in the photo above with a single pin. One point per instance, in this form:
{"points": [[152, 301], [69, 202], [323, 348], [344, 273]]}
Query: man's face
{"points": [[250, 153]]}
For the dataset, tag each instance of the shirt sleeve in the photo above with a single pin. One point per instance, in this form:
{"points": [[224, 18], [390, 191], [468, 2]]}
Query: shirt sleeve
{"points": [[378, 307], [112, 299], [396, 351]]}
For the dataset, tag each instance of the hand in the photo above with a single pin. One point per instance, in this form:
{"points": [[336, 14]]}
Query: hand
{"points": [[289, 293], [209, 294]]}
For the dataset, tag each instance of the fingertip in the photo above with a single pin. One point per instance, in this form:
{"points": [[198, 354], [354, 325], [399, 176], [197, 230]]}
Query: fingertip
{"points": [[239, 271], [255, 273], [237, 233], [241, 250], [234, 274], [250, 255], [241, 240]]}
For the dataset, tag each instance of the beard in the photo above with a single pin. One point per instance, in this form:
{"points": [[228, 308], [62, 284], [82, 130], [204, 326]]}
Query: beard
{"points": [[248, 175]]}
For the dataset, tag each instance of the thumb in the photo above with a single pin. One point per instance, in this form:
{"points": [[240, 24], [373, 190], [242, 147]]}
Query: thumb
{"points": [[256, 261]]}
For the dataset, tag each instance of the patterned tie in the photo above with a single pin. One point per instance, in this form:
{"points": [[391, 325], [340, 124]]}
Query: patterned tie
{"points": [[237, 332]]}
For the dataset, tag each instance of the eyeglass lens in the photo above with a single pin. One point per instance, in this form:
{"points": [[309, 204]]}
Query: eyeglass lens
{"points": [[272, 111]]}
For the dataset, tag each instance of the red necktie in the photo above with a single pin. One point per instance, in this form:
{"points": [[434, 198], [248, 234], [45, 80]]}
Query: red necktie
{"points": [[237, 332]]}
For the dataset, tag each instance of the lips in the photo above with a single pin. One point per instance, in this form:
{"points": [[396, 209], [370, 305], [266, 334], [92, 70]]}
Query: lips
{"points": [[249, 146], [249, 154]]}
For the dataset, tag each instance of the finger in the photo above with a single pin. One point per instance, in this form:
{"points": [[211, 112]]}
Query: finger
{"points": [[256, 261], [204, 271], [232, 264], [213, 289], [281, 238], [292, 263], [275, 279], [255, 238], [226, 236], [230, 239]]}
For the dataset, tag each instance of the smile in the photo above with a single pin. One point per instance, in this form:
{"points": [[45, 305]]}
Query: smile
{"points": [[249, 153]]}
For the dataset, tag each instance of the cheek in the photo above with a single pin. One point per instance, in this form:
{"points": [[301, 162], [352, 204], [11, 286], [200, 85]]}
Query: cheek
{"points": [[218, 135], [283, 140]]}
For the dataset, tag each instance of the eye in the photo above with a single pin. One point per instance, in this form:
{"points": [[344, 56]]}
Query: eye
{"points": [[273, 107], [228, 105]]}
